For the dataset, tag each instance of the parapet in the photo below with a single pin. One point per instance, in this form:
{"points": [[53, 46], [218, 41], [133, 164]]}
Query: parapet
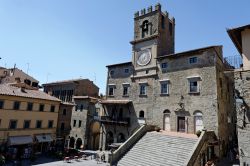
{"points": [[149, 10]]}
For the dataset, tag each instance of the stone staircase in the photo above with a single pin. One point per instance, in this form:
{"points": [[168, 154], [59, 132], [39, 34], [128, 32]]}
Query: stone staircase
{"points": [[157, 149]]}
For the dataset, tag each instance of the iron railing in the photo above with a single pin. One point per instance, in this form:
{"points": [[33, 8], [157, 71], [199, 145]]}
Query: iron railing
{"points": [[234, 62]]}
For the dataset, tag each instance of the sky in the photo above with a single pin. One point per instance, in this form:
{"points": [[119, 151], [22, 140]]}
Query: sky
{"points": [[56, 40]]}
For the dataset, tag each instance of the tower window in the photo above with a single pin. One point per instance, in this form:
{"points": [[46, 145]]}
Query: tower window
{"points": [[170, 28], [145, 28], [162, 22]]}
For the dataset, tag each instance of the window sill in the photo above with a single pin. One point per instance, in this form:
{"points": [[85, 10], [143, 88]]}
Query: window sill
{"points": [[111, 96], [194, 93], [140, 95], [164, 94], [125, 95]]}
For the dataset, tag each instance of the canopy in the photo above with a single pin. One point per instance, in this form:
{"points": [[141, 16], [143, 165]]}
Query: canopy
{"points": [[44, 138], [20, 140]]}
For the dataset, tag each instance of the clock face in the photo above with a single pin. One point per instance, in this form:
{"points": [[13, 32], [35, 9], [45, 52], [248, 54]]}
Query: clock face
{"points": [[144, 57]]}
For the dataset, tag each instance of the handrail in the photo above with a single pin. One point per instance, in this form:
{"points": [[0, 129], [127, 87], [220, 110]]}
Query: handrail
{"points": [[117, 154], [204, 137]]}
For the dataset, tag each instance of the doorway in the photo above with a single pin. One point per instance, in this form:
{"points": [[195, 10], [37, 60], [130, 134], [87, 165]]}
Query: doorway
{"points": [[181, 124], [167, 122]]}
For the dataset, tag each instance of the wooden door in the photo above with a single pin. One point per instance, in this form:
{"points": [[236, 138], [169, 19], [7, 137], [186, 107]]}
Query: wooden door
{"points": [[198, 123], [181, 124], [166, 122]]}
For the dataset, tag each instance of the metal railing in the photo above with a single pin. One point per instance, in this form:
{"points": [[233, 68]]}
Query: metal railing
{"points": [[234, 62], [109, 119]]}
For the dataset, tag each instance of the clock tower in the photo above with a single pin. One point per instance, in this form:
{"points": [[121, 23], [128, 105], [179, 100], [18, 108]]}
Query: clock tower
{"points": [[153, 37]]}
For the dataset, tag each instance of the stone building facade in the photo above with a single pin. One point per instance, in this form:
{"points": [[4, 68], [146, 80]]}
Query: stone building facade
{"points": [[75, 95], [241, 39], [182, 92], [81, 121]]}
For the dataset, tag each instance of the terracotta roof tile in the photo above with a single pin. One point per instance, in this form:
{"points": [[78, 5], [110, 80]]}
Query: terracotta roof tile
{"points": [[6, 89]]}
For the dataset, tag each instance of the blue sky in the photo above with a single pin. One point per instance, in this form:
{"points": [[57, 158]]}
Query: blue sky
{"points": [[66, 39]]}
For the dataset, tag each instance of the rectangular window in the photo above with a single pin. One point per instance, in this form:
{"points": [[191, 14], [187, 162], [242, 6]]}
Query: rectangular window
{"points": [[81, 107], [50, 124], [80, 123], [64, 111], [111, 73], [1, 104], [74, 123], [111, 91], [38, 124], [13, 124], [193, 86], [143, 89], [125, 90], [52, 108], [30, 106], [41, 107], [76, 107], [26, 124], [170, 28], [126, 70], [16, 105], [164, 87], [164, 65], [193, 60], [62, 126]]}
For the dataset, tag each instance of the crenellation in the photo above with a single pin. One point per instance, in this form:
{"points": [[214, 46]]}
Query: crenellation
{"points": [[137, 14], [158, 7], [143, 11], [150, 9]]}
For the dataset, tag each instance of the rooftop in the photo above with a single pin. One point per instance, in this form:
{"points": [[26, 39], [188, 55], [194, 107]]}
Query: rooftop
{"points": [[120, 64], [9, 90], [198, 50], [235, 35], [65, 81]]}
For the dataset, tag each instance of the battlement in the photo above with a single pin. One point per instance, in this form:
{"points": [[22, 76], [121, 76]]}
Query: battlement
{"points": [[150, 10]]}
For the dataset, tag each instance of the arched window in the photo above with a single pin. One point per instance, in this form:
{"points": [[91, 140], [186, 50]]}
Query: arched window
{"points": [[198, 121], [166, 112], [120, 138], [141, 114], [72, 142], [145, 28]]}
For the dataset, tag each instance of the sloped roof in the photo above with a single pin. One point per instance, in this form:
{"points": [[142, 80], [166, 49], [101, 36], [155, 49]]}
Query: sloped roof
{"points": [[235, 35], [9, 90]]}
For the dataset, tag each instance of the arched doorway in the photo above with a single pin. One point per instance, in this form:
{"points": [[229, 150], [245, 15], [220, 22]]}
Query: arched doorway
{"points": [[141, 118], [95, 135], [141, 114], [198, 121], [72, 142], [166, 120], [120, 138], [78, 143], [109, 138]]}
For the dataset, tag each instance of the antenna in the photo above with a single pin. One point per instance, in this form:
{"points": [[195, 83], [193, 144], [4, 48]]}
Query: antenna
{"points": [[28, 68], [47, 77], [94, 77]]}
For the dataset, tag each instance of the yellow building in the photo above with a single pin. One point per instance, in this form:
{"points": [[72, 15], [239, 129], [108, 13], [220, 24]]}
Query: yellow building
{"points": [[28, 120]]}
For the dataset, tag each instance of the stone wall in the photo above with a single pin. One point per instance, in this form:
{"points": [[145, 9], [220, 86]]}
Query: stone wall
{"points": [[242, 95]]}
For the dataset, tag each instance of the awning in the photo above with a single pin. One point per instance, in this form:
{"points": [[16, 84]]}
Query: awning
{"points": [[121, 102], [44, 138], [20, 140]]}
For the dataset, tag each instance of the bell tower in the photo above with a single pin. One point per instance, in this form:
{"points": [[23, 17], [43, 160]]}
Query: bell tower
{"points": [[153, 37]]}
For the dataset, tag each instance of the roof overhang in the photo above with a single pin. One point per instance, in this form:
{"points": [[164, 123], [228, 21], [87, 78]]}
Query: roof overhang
{"points": [[235, 35], [118, 102]]}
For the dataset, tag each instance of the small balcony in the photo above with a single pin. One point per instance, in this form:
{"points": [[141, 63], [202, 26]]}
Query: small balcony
{"points": [[113, 121]]}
